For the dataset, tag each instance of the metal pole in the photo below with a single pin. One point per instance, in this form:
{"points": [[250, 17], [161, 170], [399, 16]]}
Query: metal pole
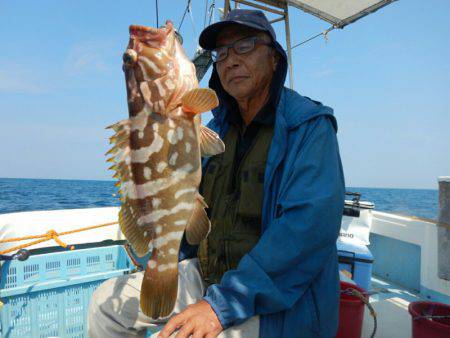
{"points": [[264, 8], [157, 14], [288, 44], [226, 8], [444, 228]]}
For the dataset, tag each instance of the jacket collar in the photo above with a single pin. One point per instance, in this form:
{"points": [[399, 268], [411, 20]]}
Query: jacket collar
{"points": [[292, 110]]}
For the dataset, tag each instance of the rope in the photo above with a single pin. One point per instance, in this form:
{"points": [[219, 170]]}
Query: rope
{"points": [[365, 300], [51, 234], [324, 33]]}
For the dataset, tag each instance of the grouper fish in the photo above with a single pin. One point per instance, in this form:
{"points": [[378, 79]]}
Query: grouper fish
{"points": [[156, 156]]}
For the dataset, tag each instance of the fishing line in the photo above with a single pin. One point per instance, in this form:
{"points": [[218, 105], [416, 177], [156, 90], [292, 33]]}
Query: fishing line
{"points": [[192, 19], [206, 13], [184, 15], [157, 14], [324, 33], [211, 11]]}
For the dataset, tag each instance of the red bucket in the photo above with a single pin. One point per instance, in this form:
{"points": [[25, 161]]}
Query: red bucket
{"points": [[351, 313], [430, 319]]}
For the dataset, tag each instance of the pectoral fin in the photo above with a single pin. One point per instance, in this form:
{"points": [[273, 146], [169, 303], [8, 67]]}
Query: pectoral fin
{"points": [[199, 100], [199, 225], [210, 142]]}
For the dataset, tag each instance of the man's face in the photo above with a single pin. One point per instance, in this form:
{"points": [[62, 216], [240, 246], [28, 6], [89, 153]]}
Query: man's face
{"points": [[245, 75]]}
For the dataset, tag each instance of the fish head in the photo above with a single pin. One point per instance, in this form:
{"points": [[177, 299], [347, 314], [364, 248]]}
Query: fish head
{"points": [[157, 70]]}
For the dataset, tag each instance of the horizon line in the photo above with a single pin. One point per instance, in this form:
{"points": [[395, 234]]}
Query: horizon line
{"points": [[112, 180]]}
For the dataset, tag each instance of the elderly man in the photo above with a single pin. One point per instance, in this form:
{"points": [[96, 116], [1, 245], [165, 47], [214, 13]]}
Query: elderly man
{"points": [[269, 266]]}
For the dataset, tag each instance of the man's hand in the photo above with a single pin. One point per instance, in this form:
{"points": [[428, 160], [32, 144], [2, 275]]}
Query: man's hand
{"points": [[198, 320]]}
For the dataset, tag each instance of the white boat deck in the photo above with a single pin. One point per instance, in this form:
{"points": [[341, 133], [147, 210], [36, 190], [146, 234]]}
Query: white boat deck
{"points": [[390, 302]]}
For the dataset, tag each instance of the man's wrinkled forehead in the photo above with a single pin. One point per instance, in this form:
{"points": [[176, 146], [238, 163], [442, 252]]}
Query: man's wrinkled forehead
{"points": [[233, 33]]}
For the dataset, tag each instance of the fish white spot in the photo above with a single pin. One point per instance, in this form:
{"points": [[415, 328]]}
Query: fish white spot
{"points": [[160, 88], [146, 94], [188, 147], [172, 251], [147, 173], [141, 134], [170, 84], [158, 229], [171, 136], [155, 126], [144, 71], [145, 233], [164, 267], [140, 191], [151, 264], [171, 236], [180, 222], [143, 154], [156, 202], [150, 64], [184, 191], [173, 158], [156, 215], [180, 133], [139, 122], [171, 123], [161, 166]]}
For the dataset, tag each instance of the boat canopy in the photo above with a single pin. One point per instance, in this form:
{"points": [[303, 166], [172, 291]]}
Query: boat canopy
{"points": [[337, 12]]}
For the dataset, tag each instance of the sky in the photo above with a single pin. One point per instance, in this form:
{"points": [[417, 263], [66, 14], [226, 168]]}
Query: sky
{"points": [[387, 77]]}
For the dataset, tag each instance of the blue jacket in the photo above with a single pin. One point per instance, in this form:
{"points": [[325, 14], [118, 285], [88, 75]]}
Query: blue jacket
{"points": [[290, 278]]}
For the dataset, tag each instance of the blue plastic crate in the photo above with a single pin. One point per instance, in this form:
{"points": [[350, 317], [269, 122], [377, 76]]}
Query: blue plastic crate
{"points": [[358, 261], [48, 295]]}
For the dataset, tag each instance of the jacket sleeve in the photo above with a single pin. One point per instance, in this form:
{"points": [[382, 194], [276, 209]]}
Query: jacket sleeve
{"points": [[298, 243]]}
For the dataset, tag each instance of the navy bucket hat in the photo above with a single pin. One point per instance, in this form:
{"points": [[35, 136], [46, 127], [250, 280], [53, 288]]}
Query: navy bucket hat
{"points": [[245, 17], [248, 18]]}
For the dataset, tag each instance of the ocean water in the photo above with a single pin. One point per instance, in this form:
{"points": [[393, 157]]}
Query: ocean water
{"points": [[38, 194]]}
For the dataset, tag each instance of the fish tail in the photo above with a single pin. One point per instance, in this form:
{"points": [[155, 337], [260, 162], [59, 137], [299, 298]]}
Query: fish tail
{"points": [[159, 291]]}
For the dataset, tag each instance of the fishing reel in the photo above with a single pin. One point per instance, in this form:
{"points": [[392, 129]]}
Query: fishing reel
{"points": [[352, 209]]}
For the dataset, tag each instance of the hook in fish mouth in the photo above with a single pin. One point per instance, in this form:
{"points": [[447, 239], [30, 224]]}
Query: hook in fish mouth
{"points": [[129, 57]]}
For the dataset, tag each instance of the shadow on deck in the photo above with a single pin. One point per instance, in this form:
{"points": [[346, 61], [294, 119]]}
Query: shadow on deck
{"points": [[390, 302]]}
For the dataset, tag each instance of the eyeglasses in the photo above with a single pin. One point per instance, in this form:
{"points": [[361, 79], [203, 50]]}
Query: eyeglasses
{"points": [[241, 46]]}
